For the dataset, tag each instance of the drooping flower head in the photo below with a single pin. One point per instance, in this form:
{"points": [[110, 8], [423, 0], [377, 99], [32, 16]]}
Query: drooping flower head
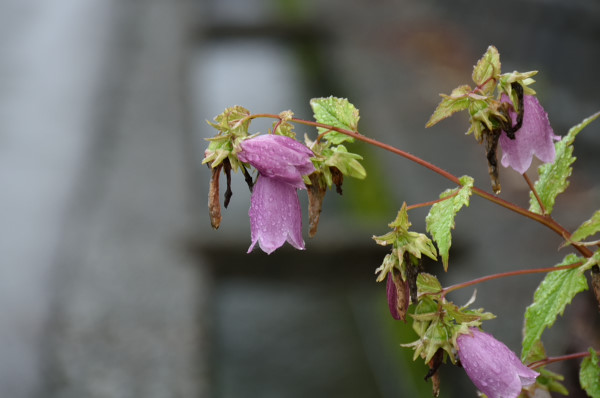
{"points": [[275, 214], [492, 366], [535, 137]]}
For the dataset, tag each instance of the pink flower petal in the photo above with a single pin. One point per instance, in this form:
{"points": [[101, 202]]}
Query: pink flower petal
{"points": [[535, 137], [275, 215], [492, 366], [278, 157]]}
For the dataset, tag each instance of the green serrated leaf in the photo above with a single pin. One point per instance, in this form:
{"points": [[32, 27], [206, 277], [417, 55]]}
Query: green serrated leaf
{"points": [[455, 102], [536, 353], [233, 120], [427, 283], [550, 299], [589, 375], [336, 112], [553, 177], [487, 67], [440, 220], [588, 228]]}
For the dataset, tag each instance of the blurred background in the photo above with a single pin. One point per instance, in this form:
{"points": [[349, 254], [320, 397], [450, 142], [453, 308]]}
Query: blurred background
{"points": [[112, 283]]}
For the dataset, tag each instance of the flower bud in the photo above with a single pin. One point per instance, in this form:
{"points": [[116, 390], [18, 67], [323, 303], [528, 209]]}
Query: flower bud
{"points": [[492, 366]]}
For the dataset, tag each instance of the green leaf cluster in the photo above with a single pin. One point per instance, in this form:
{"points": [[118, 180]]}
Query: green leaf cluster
{"points": [[329, 151], [402, 241], [551, 381], [550, 299], [232, 125], [482, 101], [438, 322], [524, 79], [553, 177], [589, 375], [440, 220], [479, 100]]}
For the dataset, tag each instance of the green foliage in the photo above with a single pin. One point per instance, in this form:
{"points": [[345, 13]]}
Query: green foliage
{"points": [[439, 322], [427, 283], [440, 220], [336, 112], [232, 125], [551, 381], [403, 241], [457, 101], [593, 260], [589, 375], [329, 151], [482, 101], [547, 380], [588, 228], [487, 69], [524, 79], [283, 125], [346, 162], [550, 299], [553, 177]]}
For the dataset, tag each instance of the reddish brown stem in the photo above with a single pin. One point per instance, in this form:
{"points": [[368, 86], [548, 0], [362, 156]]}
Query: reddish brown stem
{"points": [[549, 360], [432, 202], [537, 196], [486, 278]]}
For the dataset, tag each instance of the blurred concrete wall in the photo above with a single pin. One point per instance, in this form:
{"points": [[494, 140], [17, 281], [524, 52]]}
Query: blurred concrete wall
{"points": [[98, 296]]}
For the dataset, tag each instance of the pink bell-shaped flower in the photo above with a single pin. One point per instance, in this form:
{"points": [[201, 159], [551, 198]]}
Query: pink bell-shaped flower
{"points": [[492, 366], [275, 214], [535, 137]]}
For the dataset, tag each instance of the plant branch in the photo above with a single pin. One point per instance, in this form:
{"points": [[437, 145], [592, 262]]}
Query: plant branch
{"points": [[549, 360], [432, 202], [548, 222], [486, 278], [535, 193]]}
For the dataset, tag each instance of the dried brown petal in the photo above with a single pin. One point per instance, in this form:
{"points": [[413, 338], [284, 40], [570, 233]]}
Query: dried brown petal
{"points": [[228, 192], [433, 374], [596, 284], [412, 272], [338, 178], [316, 193], [491, 146], [214, 206], [397, 296]]}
